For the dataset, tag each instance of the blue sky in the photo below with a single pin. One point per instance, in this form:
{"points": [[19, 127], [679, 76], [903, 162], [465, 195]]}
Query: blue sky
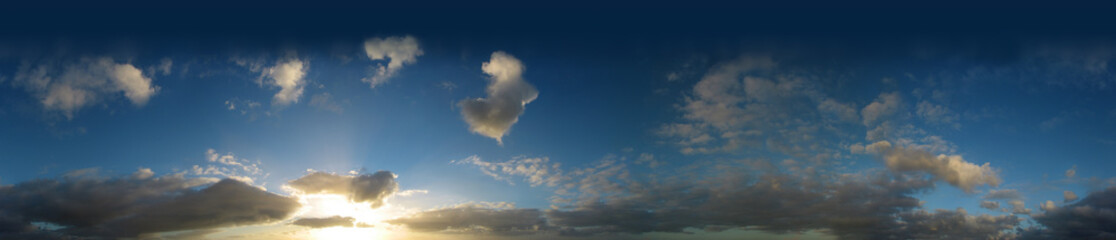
{"points": [[572, 129]]}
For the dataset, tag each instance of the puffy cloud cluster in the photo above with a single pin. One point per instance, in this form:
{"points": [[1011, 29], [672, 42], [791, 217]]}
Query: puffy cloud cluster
{"points": [[398, 51], [949, 168], [68, 87], [1094, 217], [371, 188], [508, 96], [229, 166], [88, 205], [537, 171]]}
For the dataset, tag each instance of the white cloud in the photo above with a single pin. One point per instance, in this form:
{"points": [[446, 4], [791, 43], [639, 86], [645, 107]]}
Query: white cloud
{"points": [[950, 168], [1071, 172], [229, 166], [537, 171], [508, 96], [288, 76], [398, 51], [69, 87]]}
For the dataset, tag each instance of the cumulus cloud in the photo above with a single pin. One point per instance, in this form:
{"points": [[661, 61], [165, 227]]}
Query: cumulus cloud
{"points": [[1069, 196], [371, 188], [68, 87], [85, 204], [508, 96], [334, 221], [398, 51], [1094, 217], [288, 77], [949, 168], [473, 218]]}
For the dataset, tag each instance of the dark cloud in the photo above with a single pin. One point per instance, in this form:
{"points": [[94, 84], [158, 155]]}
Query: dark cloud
{"points": [[372, 188], [86, 205], [475, 219], [1094, 217], [945, 224], [607, 199], [334, 221], [226, 203]]}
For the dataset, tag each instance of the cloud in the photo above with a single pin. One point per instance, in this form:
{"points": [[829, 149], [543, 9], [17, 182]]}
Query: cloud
{"points": [[605, 198], [950, 168], [1006, 194], [938, 114], [886, 105], [508, 96], [85, 204], [473, 218], [990, 205], [1071, 172], [1094, 217], [944, 224], [334, 221], [68, 87], [229, 166], [324, 101], [370, 188], [1018, 207], [537, 171], [226, 203], [288, 77], [398, 51], [1069, 196]]}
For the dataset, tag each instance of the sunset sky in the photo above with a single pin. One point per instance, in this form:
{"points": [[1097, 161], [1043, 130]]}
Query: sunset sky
{"points": [[755, 122]]}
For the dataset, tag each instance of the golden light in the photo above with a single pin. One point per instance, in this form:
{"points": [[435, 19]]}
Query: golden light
{"points": [[369, 223]]}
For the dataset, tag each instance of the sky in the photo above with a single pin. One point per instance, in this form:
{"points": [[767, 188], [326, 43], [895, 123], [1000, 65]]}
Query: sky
{"points": [[750, 122]]}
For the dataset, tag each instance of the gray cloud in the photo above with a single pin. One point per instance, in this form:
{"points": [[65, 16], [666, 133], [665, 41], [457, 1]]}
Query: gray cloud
{"points": [[89, 205], [990, 205], [371, 188], [945, 224], [226, 203], [1094, 217], [334, 221], [472, 218], [508, 96]]}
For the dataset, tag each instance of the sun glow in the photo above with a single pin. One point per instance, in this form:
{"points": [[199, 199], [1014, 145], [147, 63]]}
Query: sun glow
{"points": [[368, 223]]}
